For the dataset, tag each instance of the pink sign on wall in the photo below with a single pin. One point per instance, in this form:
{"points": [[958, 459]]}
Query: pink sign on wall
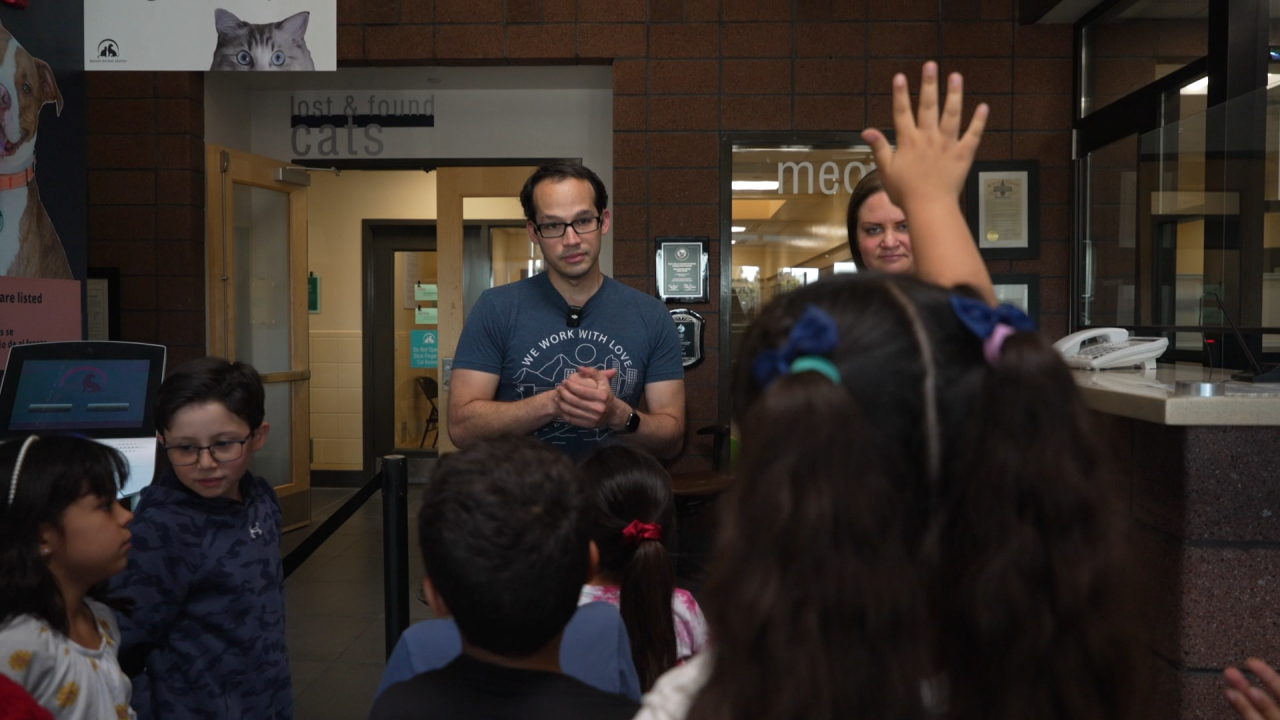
{"points": [[34, 310]]}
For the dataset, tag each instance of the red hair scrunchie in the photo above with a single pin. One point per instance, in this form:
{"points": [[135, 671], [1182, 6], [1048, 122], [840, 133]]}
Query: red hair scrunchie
{"points": [[637, 532]]}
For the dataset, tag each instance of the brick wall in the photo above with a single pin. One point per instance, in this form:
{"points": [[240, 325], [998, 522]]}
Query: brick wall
{"points": [[146, 202], [684, 71]]}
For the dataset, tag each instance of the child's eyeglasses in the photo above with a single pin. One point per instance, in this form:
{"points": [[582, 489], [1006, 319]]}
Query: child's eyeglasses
{"points": [[221, 451]]}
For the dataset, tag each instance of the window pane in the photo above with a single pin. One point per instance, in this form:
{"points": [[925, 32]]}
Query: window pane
{"points": [[788, 219], [1110, 255], [1138, 43]]}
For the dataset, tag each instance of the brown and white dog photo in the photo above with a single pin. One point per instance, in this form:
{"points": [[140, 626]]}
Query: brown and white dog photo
{"points": [[29, 244]]}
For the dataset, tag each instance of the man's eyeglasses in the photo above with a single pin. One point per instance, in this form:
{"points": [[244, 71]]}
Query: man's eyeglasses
{"points": [[221, 451], [582, 226]]}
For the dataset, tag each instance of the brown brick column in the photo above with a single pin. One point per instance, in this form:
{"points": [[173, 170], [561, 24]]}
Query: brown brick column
{"points": [[146, 202]]}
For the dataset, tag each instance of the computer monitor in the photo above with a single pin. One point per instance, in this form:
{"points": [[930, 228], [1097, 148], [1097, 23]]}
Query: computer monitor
{"points": [[102, 390]]}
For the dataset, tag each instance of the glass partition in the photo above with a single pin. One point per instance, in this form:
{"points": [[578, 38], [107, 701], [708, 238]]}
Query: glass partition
{"points": [[1183, 218], [1137, 43]]}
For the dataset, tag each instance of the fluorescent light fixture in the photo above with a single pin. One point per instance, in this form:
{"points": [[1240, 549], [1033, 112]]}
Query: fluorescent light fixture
{"points": [[738, 228], [842, 268], [754, 184], [1199, 87]]}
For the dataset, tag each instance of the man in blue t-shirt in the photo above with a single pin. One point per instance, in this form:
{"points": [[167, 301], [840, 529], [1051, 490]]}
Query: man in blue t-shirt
{"points": [[568, 355]]}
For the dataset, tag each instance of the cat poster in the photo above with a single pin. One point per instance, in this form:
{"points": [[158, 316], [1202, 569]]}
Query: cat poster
{"points": [[215, 35]]}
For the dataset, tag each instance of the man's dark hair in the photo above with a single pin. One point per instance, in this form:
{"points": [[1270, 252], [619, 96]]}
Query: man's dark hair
{"points": [[504, 540], [212, 379], [557, 173]]}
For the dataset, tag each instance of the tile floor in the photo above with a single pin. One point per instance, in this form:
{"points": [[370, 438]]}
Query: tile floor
{"points": [[335, 614]]}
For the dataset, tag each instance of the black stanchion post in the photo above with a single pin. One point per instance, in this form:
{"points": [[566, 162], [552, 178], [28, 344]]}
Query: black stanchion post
{"points": [[395, 546]]}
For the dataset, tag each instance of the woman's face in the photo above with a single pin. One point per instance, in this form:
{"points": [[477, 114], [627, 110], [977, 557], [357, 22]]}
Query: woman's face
{"points": [[882, 236]]}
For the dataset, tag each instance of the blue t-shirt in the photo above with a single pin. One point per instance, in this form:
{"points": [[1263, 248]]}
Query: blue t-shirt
{"points": [[519, 333]]}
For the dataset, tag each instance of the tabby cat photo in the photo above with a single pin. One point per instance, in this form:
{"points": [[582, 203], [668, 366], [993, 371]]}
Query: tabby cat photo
{"points": [[261, 46]]}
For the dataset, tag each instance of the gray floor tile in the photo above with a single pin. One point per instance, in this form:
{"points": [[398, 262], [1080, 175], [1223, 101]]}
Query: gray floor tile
{"points": [[316, 638], [333, 598], [370, 647], [304, 673], [344, 691]]}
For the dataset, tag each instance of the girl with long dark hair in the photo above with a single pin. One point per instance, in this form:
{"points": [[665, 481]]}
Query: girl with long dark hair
{"points": [[632, 522], [922, 524], [62, 534]]}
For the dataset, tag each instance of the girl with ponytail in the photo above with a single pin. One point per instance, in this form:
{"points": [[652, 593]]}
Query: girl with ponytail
{"points": [[632, 520], [922, 524]]}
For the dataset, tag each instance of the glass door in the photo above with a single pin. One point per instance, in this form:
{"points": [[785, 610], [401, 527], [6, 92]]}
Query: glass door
{"points": [[257, 281]]}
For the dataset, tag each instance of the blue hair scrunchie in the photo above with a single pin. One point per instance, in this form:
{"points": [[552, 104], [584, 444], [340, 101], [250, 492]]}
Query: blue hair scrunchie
{"points": [[812, 337], [992, 325]]}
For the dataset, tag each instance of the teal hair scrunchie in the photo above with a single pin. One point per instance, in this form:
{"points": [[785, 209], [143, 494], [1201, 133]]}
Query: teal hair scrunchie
{"points": [[815, 363]]}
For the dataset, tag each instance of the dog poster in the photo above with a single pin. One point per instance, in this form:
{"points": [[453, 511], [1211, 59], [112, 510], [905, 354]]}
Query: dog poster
{"points": [[43, 176], [217, 35]]}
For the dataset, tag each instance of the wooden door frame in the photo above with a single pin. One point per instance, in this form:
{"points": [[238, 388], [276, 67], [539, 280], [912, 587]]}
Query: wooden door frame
{"points": [[224, 168], [453, 184]]}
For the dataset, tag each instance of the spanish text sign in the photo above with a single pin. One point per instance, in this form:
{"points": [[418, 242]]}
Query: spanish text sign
{"points": [[211, 35]]}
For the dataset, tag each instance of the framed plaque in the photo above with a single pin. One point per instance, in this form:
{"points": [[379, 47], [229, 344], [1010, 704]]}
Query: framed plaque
{"points": [[683, 264], [689, 324], [1020, 290], [1002, 201]]}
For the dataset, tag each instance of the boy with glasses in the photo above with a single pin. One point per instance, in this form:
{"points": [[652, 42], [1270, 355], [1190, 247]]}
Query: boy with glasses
{"points": [[206, 636], [567, 355]]}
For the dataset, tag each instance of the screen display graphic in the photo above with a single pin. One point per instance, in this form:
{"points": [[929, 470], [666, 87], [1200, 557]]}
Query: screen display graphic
{"points": [[70, 395]]}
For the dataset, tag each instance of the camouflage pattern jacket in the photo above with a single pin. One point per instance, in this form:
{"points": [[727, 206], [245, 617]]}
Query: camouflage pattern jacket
{"points": [[207, 628]]}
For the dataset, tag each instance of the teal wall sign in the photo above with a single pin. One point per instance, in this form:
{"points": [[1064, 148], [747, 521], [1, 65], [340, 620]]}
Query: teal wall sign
{"points": [[425, 350]]}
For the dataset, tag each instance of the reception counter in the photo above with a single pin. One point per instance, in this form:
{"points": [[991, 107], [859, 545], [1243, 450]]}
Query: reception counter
{"points": [[1202, 486]]}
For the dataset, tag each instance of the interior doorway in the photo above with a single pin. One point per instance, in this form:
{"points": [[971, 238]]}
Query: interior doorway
{"points": [[403, 369]]}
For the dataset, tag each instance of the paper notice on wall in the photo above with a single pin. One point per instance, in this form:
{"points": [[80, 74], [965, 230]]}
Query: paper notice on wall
{"points": [[35, 310], [195, 35]]}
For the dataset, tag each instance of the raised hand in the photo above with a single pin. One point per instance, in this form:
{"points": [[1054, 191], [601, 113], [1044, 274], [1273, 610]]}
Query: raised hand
{"points": [[1251, 702], [925, 175], [933, 158]]}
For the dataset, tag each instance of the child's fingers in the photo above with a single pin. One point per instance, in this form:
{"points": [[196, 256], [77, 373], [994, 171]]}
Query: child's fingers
{"points": [[903, 119], [1262, 703], [1241, 704], [1264, 672], [880, 147], [1236, 679], [952, 107], [927, 117], [977, 125]]}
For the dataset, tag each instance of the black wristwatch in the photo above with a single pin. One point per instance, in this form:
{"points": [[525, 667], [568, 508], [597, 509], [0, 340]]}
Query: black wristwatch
{"points": [[633, 423]]}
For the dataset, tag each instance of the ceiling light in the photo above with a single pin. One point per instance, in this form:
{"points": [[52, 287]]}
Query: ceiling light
{"points": [[754, 184], [738, 228], [1199, 87]]}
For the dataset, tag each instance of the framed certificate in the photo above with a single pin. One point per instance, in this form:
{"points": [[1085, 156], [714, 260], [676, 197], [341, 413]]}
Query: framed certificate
{"points": [[683, 265], [1020, 290], [1003, 206]]}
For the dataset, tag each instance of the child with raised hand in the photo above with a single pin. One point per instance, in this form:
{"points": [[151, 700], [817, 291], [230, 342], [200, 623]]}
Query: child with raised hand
{"points": [[921, 524], [205, 574], [632, 520], [62, 534]]}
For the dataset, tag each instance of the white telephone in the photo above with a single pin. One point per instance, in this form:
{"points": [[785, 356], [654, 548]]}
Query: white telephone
{"points": [[1106, 348]]}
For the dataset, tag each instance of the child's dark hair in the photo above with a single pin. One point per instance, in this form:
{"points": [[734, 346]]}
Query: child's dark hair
{"points": [[504, 541], [629, 485], [212, 379], [932, 513], [56, 472]]}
